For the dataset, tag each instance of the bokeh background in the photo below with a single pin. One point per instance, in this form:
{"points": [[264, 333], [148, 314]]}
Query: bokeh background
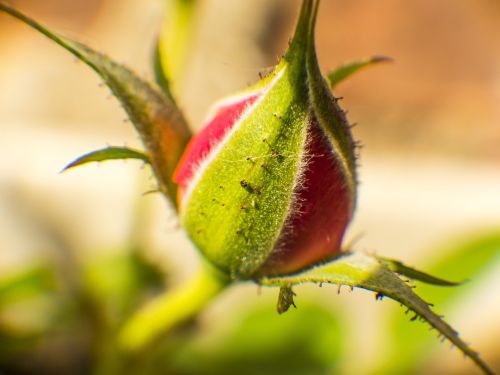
{"points": [[430, 184]]}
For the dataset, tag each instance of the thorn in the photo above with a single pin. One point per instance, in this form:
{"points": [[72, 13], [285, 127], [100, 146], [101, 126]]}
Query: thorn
{"points": [[414, 318], [379, 296], [321, 285], [339, 288]]}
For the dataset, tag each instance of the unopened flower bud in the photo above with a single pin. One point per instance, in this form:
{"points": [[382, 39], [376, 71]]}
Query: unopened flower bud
{"points": [[268, 186]]}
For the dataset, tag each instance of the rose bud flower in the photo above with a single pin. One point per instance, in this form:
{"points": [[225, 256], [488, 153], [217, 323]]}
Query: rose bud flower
{"points": [[268, 186]]}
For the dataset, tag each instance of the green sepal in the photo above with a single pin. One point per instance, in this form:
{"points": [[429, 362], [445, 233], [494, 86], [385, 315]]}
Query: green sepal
{"points": [[414, 274], [108, 153], [345, 71], [330, 116], [367, 272], [172, 47], [237, 208], [158, 121]]}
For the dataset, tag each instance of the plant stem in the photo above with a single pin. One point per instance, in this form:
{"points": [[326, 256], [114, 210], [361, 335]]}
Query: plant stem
{"points": [[171, 309]]}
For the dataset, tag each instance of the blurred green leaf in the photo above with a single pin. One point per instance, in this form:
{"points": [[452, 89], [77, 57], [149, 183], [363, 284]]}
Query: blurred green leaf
{"points": [[468, 259], [108, 153], [119, 284], [367, 272], [26, 283], [307, 341], [158, 121], [345, 71]]}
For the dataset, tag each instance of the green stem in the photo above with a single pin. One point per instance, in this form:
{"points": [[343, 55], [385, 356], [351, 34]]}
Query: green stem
{"points": [[172, 309]]}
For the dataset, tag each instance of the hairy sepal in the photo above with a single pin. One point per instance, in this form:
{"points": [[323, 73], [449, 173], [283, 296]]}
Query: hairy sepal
{"points": [[242, 193], [108, 153], [358, 270], [158, 121], [345, 71], [331, 118]]}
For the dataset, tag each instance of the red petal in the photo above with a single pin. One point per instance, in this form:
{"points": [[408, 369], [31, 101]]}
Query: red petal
{"points": [[200, 146], [323, 210]]}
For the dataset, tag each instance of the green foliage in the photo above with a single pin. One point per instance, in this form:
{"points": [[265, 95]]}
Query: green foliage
{"points": [[27, 283], [172, 46], [415, 274], [158, 121], [345, 71], [471, 258], [118, 285], [257, 341], [367, 272], [108, 153], [102, 308]]}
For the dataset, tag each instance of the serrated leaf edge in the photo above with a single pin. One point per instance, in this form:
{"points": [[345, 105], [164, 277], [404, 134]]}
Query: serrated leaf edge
{"points": [[367, 272]]}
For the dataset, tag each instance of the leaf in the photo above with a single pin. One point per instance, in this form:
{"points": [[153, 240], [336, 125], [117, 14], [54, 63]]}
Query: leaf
{"points": [[26, 283], [469, 258], [414, 274], [109, 153], [173, 42], [120, 283], [343, 72], [257, 341], [285, 299], [160, 74], [158, 121], [367, 272]]}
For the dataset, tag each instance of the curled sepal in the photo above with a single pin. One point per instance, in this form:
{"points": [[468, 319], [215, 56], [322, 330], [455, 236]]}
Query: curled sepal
{"points": [[414, 274], [158, 121], [108, 153], [345, 71], [367, 272]]}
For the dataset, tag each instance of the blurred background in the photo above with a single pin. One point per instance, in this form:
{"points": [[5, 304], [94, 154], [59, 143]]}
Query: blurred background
{"points": [[81, 250]]}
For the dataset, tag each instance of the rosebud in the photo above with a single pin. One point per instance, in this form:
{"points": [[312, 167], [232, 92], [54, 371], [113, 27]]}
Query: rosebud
{"points": [[268, 186]]}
